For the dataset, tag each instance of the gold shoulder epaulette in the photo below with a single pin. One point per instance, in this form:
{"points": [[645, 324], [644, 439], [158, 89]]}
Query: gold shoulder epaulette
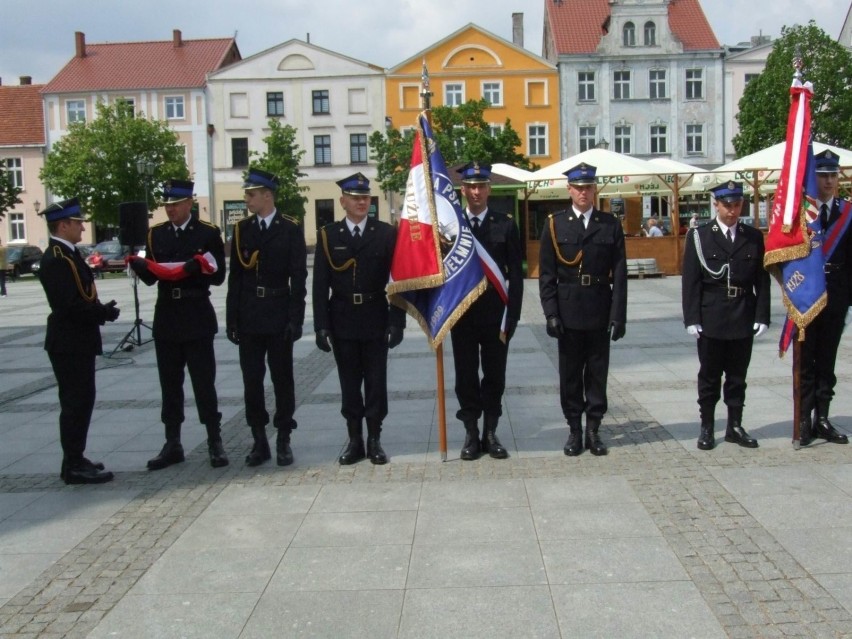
{"points": [[210, 224], [160, 224], [291, 218]]}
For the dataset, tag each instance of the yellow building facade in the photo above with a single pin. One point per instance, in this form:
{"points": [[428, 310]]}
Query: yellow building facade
{"points": [[472, 64]]}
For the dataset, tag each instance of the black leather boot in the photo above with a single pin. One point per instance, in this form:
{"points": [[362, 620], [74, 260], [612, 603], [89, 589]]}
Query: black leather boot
{"points": [[490, 443], [283, 452], [79, 470], [574, 445], [218, 458], [472, 448], [806, 435], [172, 452], [593, 441], [260, 451], [374, 446], [824, 429], [735, 433], [707, 437], [355, 448]]}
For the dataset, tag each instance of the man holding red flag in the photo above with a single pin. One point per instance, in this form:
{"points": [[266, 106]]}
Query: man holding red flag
{"points": [[184, 320], [477, 336], [819, 350]]}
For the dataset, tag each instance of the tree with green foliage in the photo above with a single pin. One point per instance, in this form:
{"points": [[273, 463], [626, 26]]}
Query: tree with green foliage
{"points": [[282, 158], [8, 191], [462, 135], [765, 104], [96, 161]]}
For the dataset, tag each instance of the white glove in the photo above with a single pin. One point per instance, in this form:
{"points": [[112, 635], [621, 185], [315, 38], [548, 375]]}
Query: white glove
{"points": [[694, 330], [759, 329]]}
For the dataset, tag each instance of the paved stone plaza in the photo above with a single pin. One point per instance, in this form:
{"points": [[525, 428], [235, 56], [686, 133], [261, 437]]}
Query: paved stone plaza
{"points": [[658, 539]]}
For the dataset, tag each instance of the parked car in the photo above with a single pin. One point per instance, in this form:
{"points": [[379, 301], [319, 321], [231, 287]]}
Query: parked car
{"points": [[112, 255], [21, 259]]}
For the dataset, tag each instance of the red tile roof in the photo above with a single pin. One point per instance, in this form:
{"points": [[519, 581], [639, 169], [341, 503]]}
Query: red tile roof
{"points": [[131, 66], [577, 25], [21, 115]]}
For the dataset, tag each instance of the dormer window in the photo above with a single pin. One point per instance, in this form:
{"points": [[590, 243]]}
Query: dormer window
{"points": [[650, 34], [629, 34]]}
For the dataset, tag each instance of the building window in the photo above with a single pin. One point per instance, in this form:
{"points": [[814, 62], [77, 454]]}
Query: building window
{"points": [[629, 34], [275, 104], [321, 106], [322, 149], [492, 92], [130, 102], [659, 138], [76, 111], [357, 101], [650, 34], [15, 171], [694, 139], [239, 152], [324, 212], [586, 86], [536, 93], [174, 108], [17, 230], [657, 84], [622, 138], [588, 137], [695, 84], [537, 139], [621, 85], [358, 148], [494, 130], [453, 95], [749, 77]]}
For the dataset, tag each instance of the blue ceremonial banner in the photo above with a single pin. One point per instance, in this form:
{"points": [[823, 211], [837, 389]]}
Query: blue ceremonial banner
{"points": [[803, 279], [432, 206]]}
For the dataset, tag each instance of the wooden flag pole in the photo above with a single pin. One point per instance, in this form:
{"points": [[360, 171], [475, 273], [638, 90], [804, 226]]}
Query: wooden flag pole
{"points": [[797, 391], [442, 403]]}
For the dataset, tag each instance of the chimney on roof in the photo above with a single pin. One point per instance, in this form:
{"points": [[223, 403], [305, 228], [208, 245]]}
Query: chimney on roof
{"points": [[518, 29], [177, 39], [26, 80], [80, 44]]}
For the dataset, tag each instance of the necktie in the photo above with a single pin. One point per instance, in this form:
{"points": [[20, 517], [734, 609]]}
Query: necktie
{"points": [[474, 223], [729, 235], [178, 232], [262, 226], [823, 216], [356, 234]]}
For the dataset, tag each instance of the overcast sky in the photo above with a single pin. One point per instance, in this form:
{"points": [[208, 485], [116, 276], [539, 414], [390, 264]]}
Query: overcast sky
{"points": [[37, 36]]}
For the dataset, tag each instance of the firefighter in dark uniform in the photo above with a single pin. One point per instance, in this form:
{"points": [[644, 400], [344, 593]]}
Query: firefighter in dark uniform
{"points": [[184, 321], [265, 311], [822, 337], [725, 293], [73, 337], [583, 288], [477, 334], [352, 316]]}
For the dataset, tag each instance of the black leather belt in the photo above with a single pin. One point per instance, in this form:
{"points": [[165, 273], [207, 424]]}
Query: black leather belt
{"points": [[362, 298], [829, 267], [729, 291], [584, 279], [177, 293], [265, 291]]}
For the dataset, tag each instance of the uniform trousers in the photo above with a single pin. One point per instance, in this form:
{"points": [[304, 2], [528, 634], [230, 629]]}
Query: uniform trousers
{"points": [[819, 354], [583, 372], [362, 361], [198, 358], [718, 356], [75, 379], [256, 351], [475, 345]]}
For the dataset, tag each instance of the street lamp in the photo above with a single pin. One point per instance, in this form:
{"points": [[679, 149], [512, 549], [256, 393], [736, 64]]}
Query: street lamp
{"points": [[37, 205], [146, 168], [602, 144]]}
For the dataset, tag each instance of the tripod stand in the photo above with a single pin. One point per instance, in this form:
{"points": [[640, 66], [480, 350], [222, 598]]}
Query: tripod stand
{"points": [[134, 335]]}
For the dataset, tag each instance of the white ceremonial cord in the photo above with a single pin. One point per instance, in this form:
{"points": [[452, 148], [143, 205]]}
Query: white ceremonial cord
{"points": [[716, 275]]}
